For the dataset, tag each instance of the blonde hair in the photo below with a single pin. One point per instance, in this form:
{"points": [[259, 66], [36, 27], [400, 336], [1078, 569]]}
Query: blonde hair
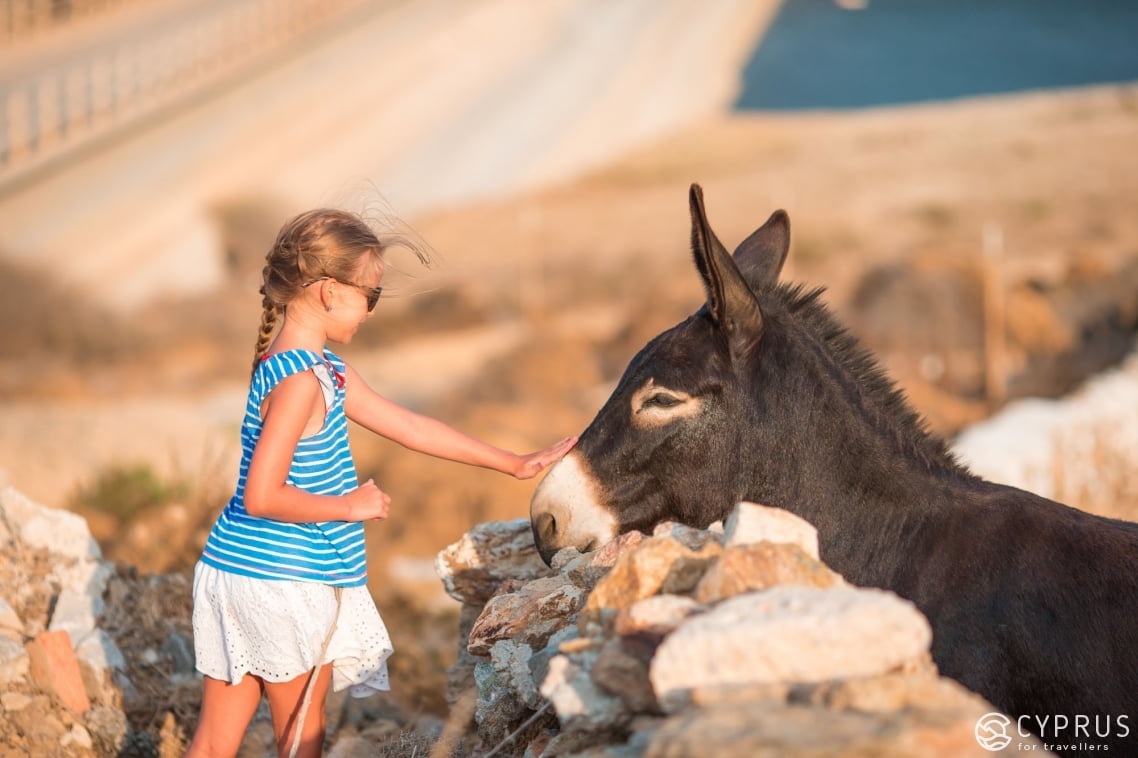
{"points": [[322, 242]]}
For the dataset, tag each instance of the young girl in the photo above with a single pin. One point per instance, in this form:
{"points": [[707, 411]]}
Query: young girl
{"points": [[281, 606]]}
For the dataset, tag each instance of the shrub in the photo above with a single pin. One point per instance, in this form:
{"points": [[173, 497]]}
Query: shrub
{"points": [[124, 491]]}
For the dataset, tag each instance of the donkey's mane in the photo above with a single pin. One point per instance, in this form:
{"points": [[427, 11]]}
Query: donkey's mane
{"points": [[894, 416]]}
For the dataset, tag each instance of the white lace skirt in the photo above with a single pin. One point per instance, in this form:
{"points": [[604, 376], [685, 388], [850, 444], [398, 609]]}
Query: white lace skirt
{"points": [[276, 629]]}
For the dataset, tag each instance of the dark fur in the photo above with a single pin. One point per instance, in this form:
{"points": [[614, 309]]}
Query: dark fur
{"points": [[1033, 604]]}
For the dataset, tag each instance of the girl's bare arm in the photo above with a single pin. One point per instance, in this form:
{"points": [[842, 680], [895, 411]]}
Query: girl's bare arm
{"points": [[288, 410], [427, 435]]}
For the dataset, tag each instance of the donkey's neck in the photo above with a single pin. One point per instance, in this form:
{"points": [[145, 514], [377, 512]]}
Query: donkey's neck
{"points": [[856, 446], [848, 380]]}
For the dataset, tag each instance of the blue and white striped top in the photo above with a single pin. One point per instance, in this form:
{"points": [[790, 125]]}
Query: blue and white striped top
{"points": [[328, 552]]}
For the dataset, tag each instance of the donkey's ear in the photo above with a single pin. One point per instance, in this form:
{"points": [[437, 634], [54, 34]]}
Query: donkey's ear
{"points": [[730, 301], [761, 256]]}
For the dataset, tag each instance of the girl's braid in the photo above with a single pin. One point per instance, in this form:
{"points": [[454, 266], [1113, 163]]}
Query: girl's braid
{"points": [[269, 316]]}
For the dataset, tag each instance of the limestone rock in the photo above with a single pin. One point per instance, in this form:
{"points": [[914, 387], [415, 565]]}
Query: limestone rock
{"points": [[511, 660], [37, 526], [9, 619], [751, 522], [530, 615], [656, 616], [474, 568], [13, 661], [685, 535], [579, 703], [758, 566], [75, 613], [760, 730], [657, 565], [608, 553], [790, 634], [620, 671], [496, 709]]}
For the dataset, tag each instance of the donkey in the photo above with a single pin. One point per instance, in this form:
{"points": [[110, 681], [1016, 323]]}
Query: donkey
{"points": [[761, 396]]}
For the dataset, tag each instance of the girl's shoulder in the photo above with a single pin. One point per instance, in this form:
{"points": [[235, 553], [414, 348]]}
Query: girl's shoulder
{"points": [[276, 366], [336, 361], [289, 361]]}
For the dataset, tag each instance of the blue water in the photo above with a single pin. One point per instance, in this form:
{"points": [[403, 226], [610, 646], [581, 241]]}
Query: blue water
{"points": [[818, 55]]}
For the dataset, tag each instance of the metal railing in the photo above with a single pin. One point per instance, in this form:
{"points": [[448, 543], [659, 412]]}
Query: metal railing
{"points": [[23, 20], [50, 108]]}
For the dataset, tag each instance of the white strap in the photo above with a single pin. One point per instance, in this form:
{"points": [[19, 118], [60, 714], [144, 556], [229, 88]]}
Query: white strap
{"points": [[312, 679]]}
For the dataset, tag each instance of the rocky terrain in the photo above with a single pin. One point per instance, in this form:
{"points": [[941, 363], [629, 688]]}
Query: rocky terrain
{"points": [[731, 641], [97, 659], [679, 643]]}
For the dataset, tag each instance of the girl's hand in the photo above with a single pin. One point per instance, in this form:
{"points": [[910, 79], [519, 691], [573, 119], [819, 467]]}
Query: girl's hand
{"points": [[534, 463], [367, 502]]}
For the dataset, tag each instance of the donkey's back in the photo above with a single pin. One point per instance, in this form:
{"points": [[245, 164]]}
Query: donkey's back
{"points": [[1034, 604]]}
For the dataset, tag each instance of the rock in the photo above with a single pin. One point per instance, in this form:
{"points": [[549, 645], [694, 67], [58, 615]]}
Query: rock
{"points": [[530, 615], [108, 730], [497, 710], [100, 662], [656, 616], [9, 619], [538, 663], [719, 642], [895, 691], [41, 726], [14, 701], [474, 568], [75, 612], [789, 634], [751, 522], [564, 557], [608, 553], [760, 730], [685, 535], [583, 569], [656, 565], [510, 660], [13, 661], [178, 649], [758, 566], [37, 526], [78, 737], [56, 670], [624, 673], [580, 704]]}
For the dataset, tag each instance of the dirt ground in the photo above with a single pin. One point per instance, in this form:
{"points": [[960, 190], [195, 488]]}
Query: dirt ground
{"points": [[538, 301]]}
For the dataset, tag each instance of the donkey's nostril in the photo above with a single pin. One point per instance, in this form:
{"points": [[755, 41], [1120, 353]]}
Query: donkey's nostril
{"points": [[546, 525]]}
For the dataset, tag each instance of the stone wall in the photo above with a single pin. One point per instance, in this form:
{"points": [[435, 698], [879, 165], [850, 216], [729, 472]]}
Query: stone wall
{"points": [[732, 641]]}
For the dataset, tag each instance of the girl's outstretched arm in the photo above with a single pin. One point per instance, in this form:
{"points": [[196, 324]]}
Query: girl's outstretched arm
{"points": [[296, 407], [427, 435]]}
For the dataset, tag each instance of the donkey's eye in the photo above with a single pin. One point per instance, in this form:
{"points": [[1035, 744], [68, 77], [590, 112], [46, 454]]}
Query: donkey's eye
{"points": [[661, 400], [654, 405]]}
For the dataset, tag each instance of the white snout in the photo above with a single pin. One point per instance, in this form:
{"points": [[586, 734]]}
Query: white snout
{"points": [[567, 509]]}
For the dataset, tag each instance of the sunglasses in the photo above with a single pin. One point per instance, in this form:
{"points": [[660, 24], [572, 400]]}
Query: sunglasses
{"points": [[371, 293]]}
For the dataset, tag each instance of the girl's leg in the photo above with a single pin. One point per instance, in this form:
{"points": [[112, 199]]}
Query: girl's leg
{"points": [[226, 712], [285, 702]]}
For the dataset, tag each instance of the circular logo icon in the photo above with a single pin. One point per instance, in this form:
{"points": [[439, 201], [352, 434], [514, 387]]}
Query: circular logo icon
{"points": [[992, 731]]}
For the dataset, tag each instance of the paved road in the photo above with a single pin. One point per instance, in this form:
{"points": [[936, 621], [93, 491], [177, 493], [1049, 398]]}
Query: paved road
{"points": [[430, 103]]}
